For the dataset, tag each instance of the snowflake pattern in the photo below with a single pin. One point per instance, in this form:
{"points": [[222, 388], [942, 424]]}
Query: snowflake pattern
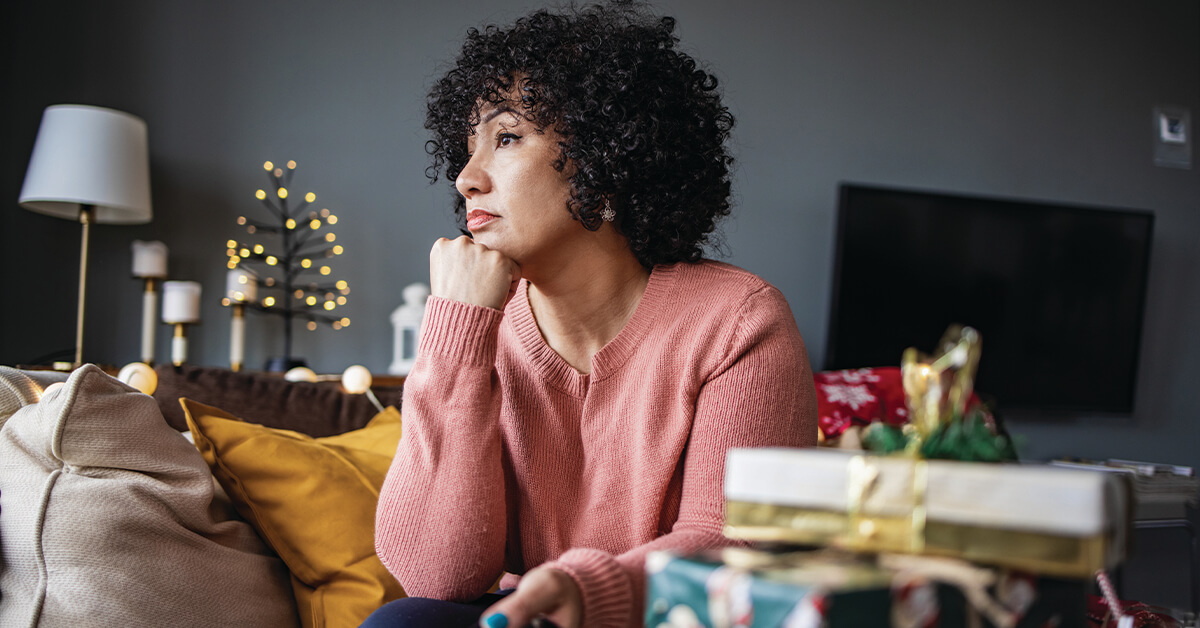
{"points": [[853, 396], [859, 376]]}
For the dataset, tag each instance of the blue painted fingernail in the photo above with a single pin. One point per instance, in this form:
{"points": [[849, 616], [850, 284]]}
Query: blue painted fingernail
{"points": [[496, 620]]}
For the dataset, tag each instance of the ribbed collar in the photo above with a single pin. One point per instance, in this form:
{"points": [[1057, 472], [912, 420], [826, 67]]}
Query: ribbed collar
{"points": [[609, 358]]}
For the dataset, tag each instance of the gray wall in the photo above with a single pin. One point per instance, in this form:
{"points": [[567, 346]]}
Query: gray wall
{"points": [[1040, 100]]}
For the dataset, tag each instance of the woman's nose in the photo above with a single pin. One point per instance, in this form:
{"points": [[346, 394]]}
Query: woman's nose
{"points": [[474, 178]]}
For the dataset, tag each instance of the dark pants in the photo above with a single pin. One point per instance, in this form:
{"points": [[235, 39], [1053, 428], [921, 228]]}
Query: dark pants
{"points": [[424, 612]]}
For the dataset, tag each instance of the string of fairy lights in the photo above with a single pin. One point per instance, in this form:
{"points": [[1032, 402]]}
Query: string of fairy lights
{"points": [[297, 273]]}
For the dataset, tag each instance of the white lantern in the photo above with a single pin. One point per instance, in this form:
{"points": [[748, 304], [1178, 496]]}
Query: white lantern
{"points": [[406, 321]]}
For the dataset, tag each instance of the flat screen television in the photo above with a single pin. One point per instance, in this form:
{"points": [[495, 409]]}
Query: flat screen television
{"points": [[1056, 292]]}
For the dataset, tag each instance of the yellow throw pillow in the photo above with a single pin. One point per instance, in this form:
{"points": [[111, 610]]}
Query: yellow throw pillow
{"points": [[313, 501]]}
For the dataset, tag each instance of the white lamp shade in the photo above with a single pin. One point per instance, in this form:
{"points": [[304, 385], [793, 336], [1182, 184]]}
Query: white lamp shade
{"points": [[181, 302], [241, 286], [93, 156], [149, 259]]}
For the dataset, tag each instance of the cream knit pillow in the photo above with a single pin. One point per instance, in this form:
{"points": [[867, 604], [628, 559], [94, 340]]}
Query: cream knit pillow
{"points": [[21, 388], [106, 519]]}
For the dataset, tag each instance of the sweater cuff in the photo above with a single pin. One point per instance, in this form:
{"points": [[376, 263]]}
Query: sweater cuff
{"points": [[604, 585], [459, 330]]}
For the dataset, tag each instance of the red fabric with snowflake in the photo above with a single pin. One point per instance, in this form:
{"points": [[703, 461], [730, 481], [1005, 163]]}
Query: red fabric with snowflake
{"points": [[859, 397], [865, 396]]}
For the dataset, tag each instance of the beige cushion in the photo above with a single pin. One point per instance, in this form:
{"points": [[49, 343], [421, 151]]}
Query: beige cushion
{"points": [[21, 388], [107, 519]]}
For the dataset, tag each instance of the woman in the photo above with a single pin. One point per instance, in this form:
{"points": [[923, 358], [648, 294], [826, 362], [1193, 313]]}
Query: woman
{"points": [[582, 370]]}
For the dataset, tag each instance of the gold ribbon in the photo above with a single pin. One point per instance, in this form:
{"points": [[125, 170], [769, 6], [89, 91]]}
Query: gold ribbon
{"points": [[912, 533]]}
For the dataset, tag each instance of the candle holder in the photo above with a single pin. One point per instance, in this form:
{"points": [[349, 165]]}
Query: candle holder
{"points": [[149, 264], [181, 307], [241, 287]]}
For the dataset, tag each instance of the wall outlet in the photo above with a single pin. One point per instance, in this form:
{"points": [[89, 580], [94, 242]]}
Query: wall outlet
{"points": [[1172, 137]]}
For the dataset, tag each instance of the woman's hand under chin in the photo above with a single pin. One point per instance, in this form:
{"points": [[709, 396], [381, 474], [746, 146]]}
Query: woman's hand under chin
{"points": [[543, 592], [466, 271]]}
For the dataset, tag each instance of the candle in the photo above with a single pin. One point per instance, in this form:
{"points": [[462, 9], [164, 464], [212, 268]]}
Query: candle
{"points": [[237, 338], [149, 311], [181, 302], [149, 259], [241, 286]]}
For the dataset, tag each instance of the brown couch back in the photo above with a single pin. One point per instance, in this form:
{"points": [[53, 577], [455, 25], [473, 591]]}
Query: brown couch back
{"points": [[317, 409]]}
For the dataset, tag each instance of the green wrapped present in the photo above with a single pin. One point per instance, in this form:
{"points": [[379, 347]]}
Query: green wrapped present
{"points": [[739, 588]]}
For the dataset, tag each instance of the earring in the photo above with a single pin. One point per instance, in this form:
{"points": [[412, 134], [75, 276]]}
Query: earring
{"points": [[608, 214]]}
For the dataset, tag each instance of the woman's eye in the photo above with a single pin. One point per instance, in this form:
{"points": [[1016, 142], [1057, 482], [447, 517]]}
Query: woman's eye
{"points": [[504, 139]]}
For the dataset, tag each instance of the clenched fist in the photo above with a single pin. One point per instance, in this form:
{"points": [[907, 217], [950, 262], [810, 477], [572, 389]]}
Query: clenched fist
{"points": [[466, 271]]}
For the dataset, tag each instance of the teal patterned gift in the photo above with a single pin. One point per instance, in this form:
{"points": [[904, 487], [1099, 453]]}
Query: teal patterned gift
{"points": [[704, 590], [739, 588]]}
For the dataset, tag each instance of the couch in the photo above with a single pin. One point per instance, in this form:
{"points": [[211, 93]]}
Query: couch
{"points": [[109, 516]]}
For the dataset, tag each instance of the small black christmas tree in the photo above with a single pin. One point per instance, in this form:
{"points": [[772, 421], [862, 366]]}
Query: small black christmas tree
{"points": [[291, 266]]}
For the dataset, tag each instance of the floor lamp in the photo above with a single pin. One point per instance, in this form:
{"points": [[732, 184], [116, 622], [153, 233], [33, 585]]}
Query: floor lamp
{"points": [[89, 164]]}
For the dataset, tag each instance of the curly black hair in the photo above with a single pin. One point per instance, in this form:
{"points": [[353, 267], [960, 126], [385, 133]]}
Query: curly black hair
{"points": [[642, 124]]}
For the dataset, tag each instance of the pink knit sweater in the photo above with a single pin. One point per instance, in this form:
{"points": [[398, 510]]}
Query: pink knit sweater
{"points": [[511, 458]]}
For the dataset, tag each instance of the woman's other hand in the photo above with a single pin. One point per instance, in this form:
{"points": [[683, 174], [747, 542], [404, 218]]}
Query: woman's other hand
{"points": [[466, 271], [544, 591]]}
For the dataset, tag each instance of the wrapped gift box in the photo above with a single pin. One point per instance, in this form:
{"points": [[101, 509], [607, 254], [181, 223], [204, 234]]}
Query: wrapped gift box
{"points": [[1037, 518], [749, 589]]}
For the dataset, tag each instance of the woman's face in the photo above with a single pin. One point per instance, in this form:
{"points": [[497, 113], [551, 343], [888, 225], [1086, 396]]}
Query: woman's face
{"points": [[516, 201]]}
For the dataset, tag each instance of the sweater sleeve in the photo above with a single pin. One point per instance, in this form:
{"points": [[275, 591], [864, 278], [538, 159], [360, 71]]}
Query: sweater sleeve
{"points": [[440, 521], [760, 394]]}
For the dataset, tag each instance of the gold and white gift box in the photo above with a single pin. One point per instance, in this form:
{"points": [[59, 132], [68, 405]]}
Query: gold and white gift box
{"points": [[1032, 517]]}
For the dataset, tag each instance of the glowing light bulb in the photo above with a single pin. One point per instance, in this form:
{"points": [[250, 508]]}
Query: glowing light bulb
{"points": [[268, 166], [331, 219], [341, 300], [291, 224], [260, 195], [311, 300], [282, 192], [312, 325], [305, 263], [337, 249], [269, 301], [258, 249], [239, 296], [341, 284], [345, 322], [291, 165], [241, 221], [235, 259], [244, 253], [231, 252], [225, 301], [231, 244], [310, 197], [329, 305], [314, 224], [330, 237], [271, 260], [241, 279], [232, 264], [325, 270], [299, 294], [337, 324]]}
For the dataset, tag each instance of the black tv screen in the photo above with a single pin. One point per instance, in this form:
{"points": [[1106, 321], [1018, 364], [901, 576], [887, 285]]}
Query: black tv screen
{"points": [[1056, 292]]}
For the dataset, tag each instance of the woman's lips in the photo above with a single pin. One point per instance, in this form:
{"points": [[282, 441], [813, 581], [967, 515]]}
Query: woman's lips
{"points": [[477, 218]]}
